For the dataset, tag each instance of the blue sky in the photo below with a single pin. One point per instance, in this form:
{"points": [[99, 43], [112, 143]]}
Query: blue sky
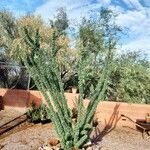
{"points": [[133, 14]]}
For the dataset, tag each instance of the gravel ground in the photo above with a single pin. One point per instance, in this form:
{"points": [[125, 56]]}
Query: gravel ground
{"points": [[123, 139], [9, 114], [28, 139], [35, 136]]}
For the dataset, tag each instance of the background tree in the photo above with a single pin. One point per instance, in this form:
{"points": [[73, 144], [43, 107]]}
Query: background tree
{"points": [[130, 78], [97, 36], [61, 22], [12, 39], [9, 35], [68, 57]]}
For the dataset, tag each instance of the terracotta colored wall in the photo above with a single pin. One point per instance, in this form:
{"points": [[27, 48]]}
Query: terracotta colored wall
{"points": [[108, 113], [24, 98], [15, 98]]}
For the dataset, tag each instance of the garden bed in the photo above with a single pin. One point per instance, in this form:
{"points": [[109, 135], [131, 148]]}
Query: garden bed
{"points": [[27, 137], [30, 137]]}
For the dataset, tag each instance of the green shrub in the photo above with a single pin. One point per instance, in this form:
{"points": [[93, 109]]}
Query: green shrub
{"points": [[130, 78], [38, 114]]}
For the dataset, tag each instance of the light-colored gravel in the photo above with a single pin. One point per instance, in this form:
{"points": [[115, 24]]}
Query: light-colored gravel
{"points": [[9, 114], [28, 139], [34, 137], [122, 139]]}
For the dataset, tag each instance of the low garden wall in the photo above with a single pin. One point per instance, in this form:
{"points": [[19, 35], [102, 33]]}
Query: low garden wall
{"points": [[108, 113], [20, 98]]}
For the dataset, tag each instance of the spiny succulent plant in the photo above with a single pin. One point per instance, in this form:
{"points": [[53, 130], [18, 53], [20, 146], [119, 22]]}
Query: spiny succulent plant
{"points": [[44, 69]]}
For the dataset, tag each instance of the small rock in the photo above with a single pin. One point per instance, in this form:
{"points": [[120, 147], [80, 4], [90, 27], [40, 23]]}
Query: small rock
{"points": [[54, 142]]}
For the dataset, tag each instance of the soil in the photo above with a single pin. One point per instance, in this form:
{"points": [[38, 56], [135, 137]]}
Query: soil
{"points": [[9, 114], [30, 137], [27, 137], [120, 139]]}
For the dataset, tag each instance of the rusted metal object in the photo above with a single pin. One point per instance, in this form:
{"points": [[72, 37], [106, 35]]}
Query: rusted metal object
{"points": [[140, 125]]}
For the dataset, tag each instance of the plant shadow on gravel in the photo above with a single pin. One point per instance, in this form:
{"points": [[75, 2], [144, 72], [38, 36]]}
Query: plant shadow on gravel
{"points": [[109, 126]]}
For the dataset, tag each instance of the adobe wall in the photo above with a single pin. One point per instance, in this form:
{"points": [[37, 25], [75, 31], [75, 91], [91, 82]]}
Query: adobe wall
{"points": [[20, 98], [108, 113]]}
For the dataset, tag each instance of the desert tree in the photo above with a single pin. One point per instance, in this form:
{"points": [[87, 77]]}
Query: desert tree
{"points": [[97, 36], [12, 39]]}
